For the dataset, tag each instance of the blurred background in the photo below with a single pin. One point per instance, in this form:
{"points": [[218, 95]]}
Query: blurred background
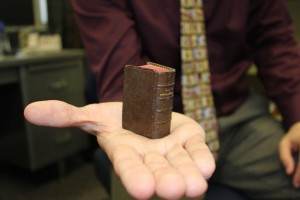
{"points": [[42, 58]]}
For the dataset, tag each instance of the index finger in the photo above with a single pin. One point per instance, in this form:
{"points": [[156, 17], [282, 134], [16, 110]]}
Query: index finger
{"points": [[201, 155]]}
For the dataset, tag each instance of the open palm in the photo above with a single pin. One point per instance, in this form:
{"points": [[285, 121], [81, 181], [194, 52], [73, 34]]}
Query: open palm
{"points": [[171, 167]]}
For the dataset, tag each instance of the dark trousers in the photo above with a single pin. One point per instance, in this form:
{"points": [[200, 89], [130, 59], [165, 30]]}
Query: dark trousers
{"points": [[248, 157]]}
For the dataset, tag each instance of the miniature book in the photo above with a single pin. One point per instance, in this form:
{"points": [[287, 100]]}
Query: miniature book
{"points": [[148, 99]]}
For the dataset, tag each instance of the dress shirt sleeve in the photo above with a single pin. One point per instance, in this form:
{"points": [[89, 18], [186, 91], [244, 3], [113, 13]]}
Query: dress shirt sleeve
{"points": [[111, 42], [277, 55]]}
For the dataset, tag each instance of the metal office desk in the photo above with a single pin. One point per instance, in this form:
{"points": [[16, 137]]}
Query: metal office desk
{"points": [[33, 77]]}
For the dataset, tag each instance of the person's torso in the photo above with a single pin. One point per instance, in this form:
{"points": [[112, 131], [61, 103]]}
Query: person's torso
{"points": [[226, 30]]}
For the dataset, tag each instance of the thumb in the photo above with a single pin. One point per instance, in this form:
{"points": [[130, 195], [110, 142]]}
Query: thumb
{"points": [[51, 113], [285, 153]]}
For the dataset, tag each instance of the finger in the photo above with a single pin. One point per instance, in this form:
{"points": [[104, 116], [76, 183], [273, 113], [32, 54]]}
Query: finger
{"points": [[201, 155], [50, 113], [195, 144], [169, 183], [195, 182], [135, 176], [285, 154], [296, 178]]}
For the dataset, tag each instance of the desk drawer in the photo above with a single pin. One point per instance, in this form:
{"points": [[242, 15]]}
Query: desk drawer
{"points": [[47, 145], [61, 81]]}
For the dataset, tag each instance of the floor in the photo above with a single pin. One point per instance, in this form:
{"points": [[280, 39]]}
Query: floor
{"points": [[78, 182]]}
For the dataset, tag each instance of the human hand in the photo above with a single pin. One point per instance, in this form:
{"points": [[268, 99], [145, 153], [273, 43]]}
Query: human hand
{"points": [[288, 146], [171, 167]]}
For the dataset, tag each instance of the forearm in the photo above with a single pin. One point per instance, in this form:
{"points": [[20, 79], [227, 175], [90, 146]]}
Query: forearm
{"points": [[277, 56]]}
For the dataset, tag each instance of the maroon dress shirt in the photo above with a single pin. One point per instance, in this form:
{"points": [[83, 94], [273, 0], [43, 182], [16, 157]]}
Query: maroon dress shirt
{"points": [[239, 33]]}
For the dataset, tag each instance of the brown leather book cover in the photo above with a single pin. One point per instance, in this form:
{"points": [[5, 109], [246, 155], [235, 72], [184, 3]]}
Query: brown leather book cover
{"points": [[148, 99]]}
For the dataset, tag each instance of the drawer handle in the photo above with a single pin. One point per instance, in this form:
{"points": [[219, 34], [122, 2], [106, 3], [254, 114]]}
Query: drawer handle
{"points": [[59, 85]]}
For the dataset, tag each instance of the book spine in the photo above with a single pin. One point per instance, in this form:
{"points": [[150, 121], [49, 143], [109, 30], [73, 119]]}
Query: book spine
{"points": [[163, 104]]}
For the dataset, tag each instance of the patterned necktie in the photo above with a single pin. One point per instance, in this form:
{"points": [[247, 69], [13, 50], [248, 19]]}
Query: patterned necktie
{"points": [[195, 79]]}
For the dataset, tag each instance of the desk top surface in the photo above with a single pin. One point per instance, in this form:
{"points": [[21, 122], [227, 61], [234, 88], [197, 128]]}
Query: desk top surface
{"points": [[34, 57]]}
